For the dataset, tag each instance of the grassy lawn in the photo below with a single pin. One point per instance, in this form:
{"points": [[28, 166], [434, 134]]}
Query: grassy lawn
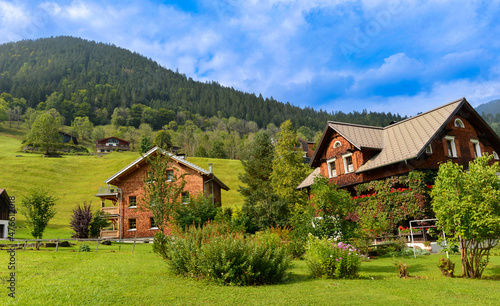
{"points": [[110, 276], [74, 179]]}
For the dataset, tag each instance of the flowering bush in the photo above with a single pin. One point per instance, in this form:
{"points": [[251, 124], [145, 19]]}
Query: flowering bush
{"points": [[331, 259]]}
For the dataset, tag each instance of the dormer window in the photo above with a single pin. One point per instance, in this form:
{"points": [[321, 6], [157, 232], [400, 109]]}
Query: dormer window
{"points": [[332, 169], [348, 165], [476, 148], [459, 123], [337, 144]]}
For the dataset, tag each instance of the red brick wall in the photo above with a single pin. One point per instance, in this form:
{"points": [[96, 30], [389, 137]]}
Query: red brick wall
{"points": [[132, 184]]}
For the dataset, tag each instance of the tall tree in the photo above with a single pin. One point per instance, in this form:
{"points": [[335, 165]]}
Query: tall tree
{"points": [[38, 208], [162, 189], [467, 207], [45, 131], [288, 166]]}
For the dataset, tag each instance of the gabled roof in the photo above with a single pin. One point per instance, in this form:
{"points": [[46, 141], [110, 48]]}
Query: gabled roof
{"points": [[104, 139], [309, 180], [131, 167], [403, 140]]}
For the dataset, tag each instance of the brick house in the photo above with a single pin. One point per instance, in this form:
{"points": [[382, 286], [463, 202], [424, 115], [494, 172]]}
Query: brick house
{"points": [[125, 189], [111, 144], [307, 148], [350, 154]]}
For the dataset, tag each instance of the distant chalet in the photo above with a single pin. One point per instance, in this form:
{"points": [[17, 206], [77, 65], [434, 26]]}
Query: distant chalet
{"points": [[351, 154], [4, 213], [112, 144]]}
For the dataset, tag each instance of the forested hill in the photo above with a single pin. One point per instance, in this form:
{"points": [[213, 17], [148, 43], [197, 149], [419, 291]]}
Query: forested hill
{"points": [[95, 78]]}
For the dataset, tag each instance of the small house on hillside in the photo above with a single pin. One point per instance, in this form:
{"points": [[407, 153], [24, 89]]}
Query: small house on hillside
{"points": [[125, 190], [111, 144], [4, 213], [68, 138], [307, 149], [351, 154]]}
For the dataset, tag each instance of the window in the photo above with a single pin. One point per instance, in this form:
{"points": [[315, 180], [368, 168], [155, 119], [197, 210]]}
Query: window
{"points": [[132, 224], [495, 155], [185, 197], [170, 175], [132, 201], [450, 143], [153, 223], [337, 144], [476, 148], [348, 165], [428, 150], [459, 123], [332, 169]]}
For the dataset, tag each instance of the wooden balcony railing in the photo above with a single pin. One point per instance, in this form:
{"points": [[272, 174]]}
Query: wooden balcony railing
{"points": [[109, 234], [107, 190], [112, 210]]}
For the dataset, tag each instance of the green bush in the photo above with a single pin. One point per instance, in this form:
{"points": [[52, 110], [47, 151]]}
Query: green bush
{"points": [[197, 212], [84, 248], [446, 266], [327, 258], [226, 257]]}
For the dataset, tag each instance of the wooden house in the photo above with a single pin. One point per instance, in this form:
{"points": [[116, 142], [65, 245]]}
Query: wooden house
{"points": [[111, 144], [125, 191], [4, 213], [350, 154]]}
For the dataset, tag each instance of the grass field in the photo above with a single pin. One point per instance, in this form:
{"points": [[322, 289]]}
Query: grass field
{"points": [[110, 277], [74, 179]]}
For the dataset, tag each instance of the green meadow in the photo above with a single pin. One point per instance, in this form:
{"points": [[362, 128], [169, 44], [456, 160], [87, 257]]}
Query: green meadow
{"points": [[115, 276], [74, 179]]}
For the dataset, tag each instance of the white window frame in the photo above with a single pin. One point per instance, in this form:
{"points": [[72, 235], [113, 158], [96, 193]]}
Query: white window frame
{"points": [[329, 163], [476, 148], [169, 179], [346, 166], [337, 146], [453, 146], [428, 149], [459, 123], [495, 155]]}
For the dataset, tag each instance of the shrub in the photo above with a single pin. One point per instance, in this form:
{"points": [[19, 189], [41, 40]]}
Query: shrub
{"points": [[446, 266], [327, 258], [197, 212], [402, 269], [84, 248], [226, 257]]}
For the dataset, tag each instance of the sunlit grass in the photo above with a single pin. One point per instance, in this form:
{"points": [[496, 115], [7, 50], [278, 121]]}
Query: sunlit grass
{"points": [[113, 276]]}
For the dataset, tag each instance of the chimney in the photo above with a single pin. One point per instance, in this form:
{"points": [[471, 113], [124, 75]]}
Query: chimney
{"points": [[210, 167]]}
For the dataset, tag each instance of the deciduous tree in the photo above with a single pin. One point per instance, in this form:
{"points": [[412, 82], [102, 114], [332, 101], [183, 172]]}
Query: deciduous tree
{"points": [[466, 204], [38, 208], [45, 131]]}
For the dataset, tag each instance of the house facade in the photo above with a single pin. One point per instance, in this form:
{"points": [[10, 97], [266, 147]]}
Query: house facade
{"points": [[111, 144], [123, 195], [4, 213], [350, 154]]}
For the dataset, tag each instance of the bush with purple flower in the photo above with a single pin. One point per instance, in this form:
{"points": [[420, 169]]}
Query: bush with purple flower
{"points": [[331, 259]]}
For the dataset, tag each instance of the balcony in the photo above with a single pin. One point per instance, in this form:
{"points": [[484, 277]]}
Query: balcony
{"points": [[109, 234], [107, 190], [112, 210]]}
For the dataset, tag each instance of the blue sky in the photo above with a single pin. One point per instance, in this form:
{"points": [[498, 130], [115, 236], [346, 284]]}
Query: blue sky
{"points": [[398, 56]]}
